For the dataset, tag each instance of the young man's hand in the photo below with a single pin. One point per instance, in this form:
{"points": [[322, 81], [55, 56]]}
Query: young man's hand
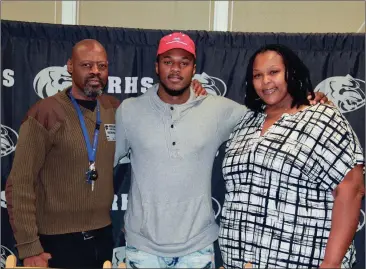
{"points": [[319, 98]]}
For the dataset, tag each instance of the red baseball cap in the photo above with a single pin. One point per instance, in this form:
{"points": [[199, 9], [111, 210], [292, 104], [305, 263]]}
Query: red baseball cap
{"points": [[176, 41]]}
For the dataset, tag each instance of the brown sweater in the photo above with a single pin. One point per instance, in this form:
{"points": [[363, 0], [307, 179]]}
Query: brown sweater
{"points": [[46, 191]]}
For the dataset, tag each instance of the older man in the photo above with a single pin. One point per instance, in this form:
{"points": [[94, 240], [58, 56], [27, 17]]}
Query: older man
{"points": [[60, 188]]}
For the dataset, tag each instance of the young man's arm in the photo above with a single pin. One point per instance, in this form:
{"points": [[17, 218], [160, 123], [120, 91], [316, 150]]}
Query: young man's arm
{"points": [[122, 144], [229, 115]]}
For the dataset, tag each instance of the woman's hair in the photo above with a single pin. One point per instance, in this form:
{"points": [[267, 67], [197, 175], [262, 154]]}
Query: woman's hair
{"points": [[297, 78]]}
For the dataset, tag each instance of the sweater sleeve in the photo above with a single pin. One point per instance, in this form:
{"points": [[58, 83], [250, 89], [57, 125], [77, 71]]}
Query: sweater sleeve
{"points": [[33, 144]]}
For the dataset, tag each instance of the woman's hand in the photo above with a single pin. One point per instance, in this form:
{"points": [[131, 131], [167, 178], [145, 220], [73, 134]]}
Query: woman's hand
{"points": [[197, 88]]}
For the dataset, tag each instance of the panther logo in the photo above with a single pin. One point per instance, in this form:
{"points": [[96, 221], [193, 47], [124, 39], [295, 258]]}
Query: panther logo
{"points": [[51, 80], [361, 224], [216, 206], [3, 200], [212, 85], [119, 255], [5, 252], [9, 140], [347, 93]]}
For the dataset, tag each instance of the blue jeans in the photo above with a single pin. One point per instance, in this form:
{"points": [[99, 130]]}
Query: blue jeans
{"points": [[203, 258]]}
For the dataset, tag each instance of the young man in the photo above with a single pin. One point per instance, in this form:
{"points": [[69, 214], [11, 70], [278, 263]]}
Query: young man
{"points": [[169, 220]]}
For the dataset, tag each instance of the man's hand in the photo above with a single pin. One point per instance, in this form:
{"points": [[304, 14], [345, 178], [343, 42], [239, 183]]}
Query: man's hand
{"points": [[319, 98], [197, 87], [40, 260]]}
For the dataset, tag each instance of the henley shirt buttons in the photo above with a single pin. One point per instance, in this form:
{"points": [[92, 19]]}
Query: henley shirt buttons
{"points": [[176, 154], [173, 143], [171, 108], [172, 126]]}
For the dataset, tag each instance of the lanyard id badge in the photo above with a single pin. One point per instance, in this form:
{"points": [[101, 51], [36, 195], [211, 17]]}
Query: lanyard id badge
{"points": [[91, 173]]}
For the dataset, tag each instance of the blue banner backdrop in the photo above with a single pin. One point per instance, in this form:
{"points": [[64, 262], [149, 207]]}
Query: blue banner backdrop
{"points": [[33, 67]]}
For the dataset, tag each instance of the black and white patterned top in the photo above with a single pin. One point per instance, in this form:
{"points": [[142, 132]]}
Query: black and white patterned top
{"points": [[278, 206]]}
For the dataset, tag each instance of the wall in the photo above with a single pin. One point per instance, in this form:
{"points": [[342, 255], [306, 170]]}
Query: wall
{"points": [[242, 16], [34, 11], [298, 16], [146, 14]]}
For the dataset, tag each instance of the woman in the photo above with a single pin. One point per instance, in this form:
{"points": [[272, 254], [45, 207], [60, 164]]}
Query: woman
{"points": [[293, 174]]}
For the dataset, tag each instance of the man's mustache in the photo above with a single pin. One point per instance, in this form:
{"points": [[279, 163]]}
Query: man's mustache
{"points": [[93, 78], [175, 76]]}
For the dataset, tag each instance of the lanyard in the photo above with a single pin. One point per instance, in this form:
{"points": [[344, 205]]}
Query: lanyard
{"points": [[91, 151]]}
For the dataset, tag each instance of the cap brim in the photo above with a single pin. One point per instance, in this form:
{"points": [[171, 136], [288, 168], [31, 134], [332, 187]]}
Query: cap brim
{"points": [[175, 45]]}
